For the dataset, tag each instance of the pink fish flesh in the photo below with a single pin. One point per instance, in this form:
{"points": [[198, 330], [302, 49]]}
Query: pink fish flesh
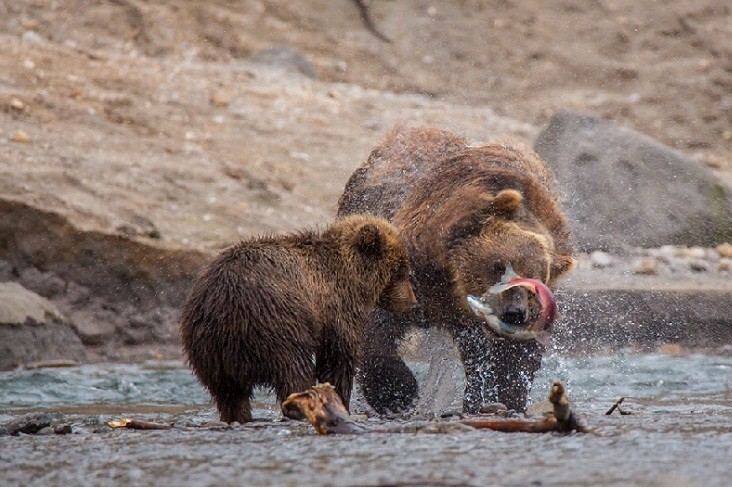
{"points": [[539, 329]]}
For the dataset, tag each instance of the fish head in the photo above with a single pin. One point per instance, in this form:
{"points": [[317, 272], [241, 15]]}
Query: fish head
{"points": [[516, 307]]}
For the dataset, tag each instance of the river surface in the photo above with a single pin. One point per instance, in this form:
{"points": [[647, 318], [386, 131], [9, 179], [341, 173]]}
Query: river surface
{"points": [[679, 433]]}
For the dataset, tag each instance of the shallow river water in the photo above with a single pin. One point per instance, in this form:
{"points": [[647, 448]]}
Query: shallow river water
{"points": [[679, 433]]}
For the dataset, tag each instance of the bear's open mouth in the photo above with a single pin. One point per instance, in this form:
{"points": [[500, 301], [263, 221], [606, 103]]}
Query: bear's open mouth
{"points": [[539, 328]]}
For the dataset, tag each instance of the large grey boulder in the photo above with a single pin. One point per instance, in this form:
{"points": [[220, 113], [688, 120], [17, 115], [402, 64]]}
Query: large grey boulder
{"points": [[32, 329], [624, 188]]}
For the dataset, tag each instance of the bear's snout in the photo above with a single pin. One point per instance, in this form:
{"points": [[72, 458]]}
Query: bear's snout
{"points": [[514, 314]]}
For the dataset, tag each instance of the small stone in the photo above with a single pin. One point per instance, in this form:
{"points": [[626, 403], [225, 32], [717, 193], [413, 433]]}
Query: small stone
{"points": [[451, 413], [725, 250], [45, 431], [493, 408], [540, 408], [714, 161], [724, 264], [17, 104], [454, 428], [601, 259], [429, 429], [32, 37], [670, 349], [648, 266], [219, 99], [4, 431], [62, 429], [696, 253], [21, 136], [665, 254], [698, 266]]}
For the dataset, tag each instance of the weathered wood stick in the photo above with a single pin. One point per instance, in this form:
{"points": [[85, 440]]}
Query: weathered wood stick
{"points": [[139, 425], [51, 363], [548, 424], [616, 405]]}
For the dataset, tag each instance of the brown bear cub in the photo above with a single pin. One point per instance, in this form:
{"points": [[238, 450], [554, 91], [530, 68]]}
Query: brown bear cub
{"points": [[289, 311]]}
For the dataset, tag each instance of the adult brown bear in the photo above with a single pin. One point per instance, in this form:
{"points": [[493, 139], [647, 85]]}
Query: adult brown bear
{"points": [[287, 311], [465, 213]]}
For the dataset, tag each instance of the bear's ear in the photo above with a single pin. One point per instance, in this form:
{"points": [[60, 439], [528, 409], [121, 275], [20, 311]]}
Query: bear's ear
{"points": [[369, 240], [561, 265], [506, 202]]}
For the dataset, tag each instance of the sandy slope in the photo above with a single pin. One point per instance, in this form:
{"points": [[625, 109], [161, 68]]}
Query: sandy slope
{"points": [[151, 121]]}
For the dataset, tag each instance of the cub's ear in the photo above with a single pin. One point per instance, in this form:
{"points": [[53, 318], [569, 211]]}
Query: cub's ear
{"points": [[369, 240], [506, 202]]}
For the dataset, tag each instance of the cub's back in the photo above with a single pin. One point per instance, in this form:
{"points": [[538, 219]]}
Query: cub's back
{"points": [[262, 286]]}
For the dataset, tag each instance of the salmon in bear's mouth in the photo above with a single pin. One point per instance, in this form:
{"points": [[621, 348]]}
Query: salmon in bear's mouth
{"points": [[539, 329]]}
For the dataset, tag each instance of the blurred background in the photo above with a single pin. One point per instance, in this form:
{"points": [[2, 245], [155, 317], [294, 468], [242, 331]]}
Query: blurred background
{"points": [[139, 137]]}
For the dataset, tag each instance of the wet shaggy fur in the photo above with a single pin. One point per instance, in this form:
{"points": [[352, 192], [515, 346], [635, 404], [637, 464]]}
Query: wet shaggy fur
{"points": [[465, 213], [288, 311]]}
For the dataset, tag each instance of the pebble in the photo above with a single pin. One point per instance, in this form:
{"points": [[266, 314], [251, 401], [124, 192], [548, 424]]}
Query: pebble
{"points": [[696, 253], [725, 250], [648, 266], [670, 349], [21, 136], [17, 104], [453, 428], [601, 259], [698, 266], [724, 264], [666, 253], [451, 413], [219, 99], [32, 37], [493, 408]]}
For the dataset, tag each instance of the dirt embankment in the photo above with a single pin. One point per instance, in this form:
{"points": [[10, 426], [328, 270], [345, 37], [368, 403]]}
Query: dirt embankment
{"points": [[139, 137]]}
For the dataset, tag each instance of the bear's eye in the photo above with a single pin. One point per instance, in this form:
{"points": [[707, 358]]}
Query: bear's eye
{"points": [[497, 269]]}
